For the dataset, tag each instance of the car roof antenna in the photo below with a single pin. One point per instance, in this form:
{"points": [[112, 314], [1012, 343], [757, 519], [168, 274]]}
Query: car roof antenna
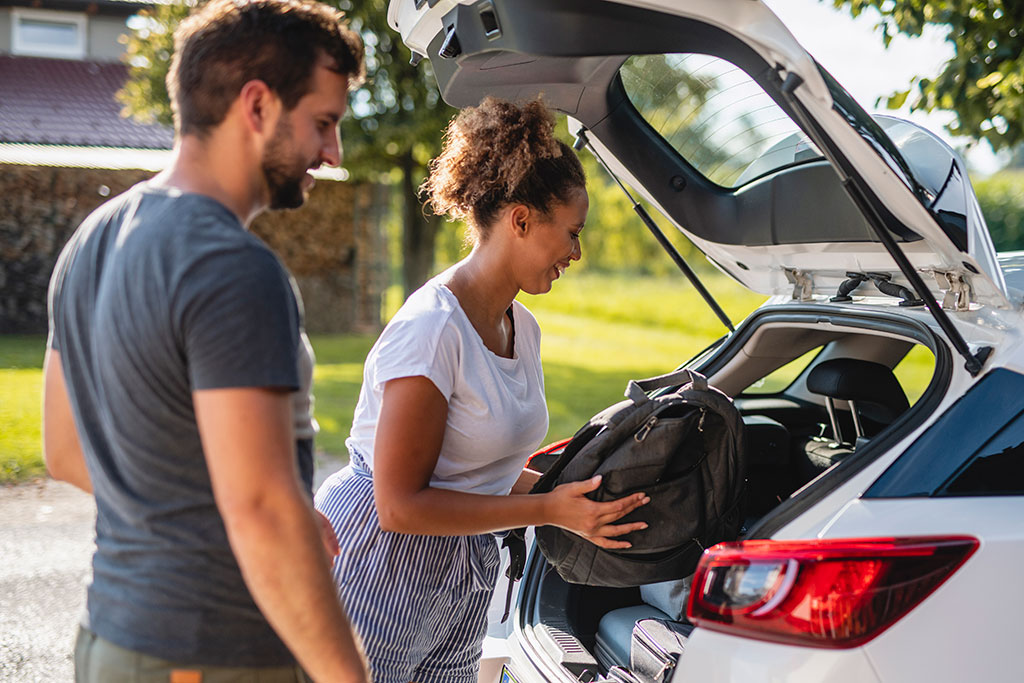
{"points": [[583, 141]]}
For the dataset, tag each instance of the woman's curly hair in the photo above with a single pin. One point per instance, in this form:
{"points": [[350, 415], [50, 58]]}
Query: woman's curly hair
{"points": [[496, 154]]}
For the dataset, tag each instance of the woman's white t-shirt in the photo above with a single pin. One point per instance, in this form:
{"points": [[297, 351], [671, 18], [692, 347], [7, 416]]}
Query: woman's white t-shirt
{"points": [[497, 415]]}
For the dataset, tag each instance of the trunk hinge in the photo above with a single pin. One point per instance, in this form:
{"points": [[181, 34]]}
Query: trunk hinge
{"points": [[958, 292], [803, 286], [870, 205]]}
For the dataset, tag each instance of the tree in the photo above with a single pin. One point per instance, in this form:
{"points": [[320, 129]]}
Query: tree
{"points": [[148, 49], [983, 84], [396, 119]]}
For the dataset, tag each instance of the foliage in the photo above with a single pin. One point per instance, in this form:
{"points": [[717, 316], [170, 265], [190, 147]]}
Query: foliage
{"points": [[1001, 197], [399, 112], [394, 124], [983, 84], [148, 50]]}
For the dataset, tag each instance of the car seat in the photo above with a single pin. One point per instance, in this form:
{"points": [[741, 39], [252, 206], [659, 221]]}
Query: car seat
{"points": [[876, 400], [615, 633], [768, 447]]}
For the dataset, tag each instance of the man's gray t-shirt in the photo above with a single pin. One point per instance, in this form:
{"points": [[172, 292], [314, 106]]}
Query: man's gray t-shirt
{"points": [[159, 294]]}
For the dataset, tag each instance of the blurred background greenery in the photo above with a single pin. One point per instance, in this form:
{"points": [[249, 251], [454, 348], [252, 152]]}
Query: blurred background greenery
{"points": [[624, 311], [599, 331]]}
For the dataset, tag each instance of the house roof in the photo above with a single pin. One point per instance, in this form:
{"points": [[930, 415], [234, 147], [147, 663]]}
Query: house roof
{"points": [[68, 102], [114, 7]]}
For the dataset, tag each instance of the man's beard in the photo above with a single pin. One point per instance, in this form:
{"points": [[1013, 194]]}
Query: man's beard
{"points": [[282, 171]]}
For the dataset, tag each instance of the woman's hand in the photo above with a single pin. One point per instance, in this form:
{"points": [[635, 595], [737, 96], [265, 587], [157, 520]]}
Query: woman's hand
{"points": [[327, 535], [570, 509]]}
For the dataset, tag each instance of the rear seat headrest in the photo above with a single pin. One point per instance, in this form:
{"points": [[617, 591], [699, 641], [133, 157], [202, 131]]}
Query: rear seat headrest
{"points": [[873, 386]]}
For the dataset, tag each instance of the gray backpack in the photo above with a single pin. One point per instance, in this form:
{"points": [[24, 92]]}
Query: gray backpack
{"points": [[681, 447]]}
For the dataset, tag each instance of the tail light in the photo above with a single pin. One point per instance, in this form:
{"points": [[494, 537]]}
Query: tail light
{"points": [[835, 593]]}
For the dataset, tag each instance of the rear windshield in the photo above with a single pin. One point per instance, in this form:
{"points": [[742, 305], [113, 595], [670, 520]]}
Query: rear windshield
{"points": [[718, 119]]}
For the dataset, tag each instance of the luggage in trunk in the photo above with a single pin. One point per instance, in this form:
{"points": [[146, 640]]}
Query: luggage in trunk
{"points": [[615, 633], [656, 647]]}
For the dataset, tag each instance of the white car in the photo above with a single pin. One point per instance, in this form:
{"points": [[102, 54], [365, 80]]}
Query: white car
{"points": [[885, 510]]}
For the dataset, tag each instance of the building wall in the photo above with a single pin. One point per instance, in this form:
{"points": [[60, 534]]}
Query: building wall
{"points": [[334, 246], [103, 34], [5, 30]]}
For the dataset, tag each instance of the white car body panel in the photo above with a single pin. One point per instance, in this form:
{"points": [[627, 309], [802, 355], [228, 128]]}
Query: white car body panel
{"points": [[985, 600], [719, 658], [926, 644]]}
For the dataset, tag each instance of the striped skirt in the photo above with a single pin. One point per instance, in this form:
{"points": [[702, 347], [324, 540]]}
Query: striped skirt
{"points": [[418, 603]]}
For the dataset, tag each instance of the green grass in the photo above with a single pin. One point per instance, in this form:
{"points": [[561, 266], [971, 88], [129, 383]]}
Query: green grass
{"points": [[336, 381], [598, 332], [21, 364]]}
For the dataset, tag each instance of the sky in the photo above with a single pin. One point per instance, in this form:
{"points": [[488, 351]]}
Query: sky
{"points": [[852, 51]]}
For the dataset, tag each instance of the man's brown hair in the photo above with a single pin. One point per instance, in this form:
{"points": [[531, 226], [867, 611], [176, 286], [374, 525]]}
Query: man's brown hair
{"points": [[227, 43]]}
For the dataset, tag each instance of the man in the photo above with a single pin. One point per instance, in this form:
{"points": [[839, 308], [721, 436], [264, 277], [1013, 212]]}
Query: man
{"points": [[172, 361]]}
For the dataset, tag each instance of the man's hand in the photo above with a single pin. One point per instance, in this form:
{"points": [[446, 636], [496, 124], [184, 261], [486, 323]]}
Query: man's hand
{"points": [[62, 451], [327, 535]]}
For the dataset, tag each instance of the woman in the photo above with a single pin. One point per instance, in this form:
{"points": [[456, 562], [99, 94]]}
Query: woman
{"points": [[452, 404]]}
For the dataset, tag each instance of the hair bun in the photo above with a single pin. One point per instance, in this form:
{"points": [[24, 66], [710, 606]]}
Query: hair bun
{"points": [[518, 135], [490, 153]]}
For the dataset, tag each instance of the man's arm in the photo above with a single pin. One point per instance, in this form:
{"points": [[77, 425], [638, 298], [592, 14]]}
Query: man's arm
{"points": [[62, 451], [248, 442]]}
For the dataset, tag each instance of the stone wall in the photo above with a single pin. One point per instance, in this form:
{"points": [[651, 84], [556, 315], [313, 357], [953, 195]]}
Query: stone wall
{"points": [[335, 248], [334, 245]]}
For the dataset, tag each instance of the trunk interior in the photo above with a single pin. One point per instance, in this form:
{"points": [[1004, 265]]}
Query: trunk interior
{"points": [[795, 457]]}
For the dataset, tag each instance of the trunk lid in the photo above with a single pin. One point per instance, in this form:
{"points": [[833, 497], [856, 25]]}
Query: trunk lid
{"points": [[715, 114]]}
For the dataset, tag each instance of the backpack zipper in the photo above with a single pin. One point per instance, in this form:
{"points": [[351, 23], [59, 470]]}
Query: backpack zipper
{"points": [[642, 433], [647, 426]]}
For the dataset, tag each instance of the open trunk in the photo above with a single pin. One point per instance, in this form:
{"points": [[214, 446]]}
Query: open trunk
{"points": [[794, 462], [718, 117], [855, 225]]}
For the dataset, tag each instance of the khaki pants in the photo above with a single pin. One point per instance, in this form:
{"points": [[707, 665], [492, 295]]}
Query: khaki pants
{"points": [[100, 661]]}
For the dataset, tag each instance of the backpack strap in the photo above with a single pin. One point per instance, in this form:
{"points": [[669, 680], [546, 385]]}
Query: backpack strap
{"points": [[515, 541], [637, 389]]}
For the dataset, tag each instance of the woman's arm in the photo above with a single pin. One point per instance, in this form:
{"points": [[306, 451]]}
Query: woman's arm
{"points": [[524, 484], [410, 431]]}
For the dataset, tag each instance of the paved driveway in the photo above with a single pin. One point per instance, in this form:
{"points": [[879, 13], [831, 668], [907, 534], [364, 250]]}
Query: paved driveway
{"points": [[46, 542]]}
